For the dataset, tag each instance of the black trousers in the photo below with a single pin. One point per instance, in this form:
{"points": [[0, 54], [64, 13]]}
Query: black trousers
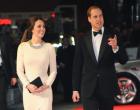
{"points": [[98, 101], [66, 80], [3, 91]]}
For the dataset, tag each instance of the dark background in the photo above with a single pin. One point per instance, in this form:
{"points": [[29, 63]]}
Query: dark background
{"points": [[47, 5], [109, 7], [121, 20]]}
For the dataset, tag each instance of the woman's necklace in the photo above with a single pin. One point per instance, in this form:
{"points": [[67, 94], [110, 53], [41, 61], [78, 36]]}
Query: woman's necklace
{"points": [[36, 46]]}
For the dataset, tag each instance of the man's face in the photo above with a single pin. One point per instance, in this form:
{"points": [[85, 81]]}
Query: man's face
{"points": [[96, 19]]}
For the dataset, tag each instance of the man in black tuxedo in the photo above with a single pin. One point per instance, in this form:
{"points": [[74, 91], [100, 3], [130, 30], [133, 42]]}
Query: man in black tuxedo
{"points": [[7, 69], [94, 75]]}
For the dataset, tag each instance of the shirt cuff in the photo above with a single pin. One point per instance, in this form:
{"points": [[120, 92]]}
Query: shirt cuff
{"points": [[116, 50]]}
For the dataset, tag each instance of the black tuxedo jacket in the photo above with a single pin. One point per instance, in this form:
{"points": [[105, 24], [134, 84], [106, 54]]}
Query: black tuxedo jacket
{"points": [[8, 62], [87, 70]]}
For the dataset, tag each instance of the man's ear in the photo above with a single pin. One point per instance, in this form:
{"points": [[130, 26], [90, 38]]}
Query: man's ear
{"points": [[89, 19]]}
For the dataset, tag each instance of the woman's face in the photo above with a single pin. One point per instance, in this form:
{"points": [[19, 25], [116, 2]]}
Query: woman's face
{"points": [[39, 29]]}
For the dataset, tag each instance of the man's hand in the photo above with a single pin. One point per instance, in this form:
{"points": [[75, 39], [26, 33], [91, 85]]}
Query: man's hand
{"points": [[13, 81], [113, 42], [75, 96]]}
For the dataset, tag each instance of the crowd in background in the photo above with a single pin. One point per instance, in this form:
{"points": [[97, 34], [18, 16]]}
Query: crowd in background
{"points": [[128, 33]]}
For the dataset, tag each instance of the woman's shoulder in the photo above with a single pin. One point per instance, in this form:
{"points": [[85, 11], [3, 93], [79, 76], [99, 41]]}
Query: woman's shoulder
{"points": [[48, 44], [23, 44]]}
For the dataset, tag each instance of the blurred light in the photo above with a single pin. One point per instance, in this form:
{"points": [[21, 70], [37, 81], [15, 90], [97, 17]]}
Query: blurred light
{"points": [[72, 40], [14, 26], [57, 45], [53, 14], [61, 36], [5, 21]]}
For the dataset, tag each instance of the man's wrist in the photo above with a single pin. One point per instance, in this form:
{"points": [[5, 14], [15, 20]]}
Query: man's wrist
{"points": [[75, 91], [116, 49]]}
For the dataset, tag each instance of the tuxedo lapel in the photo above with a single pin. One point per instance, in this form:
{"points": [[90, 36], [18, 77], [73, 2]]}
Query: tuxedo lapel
{"points": [[90, 46], [103, 45]]}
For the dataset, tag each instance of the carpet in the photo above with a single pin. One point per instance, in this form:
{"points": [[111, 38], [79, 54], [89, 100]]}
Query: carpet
{"points": [[119, 107]]}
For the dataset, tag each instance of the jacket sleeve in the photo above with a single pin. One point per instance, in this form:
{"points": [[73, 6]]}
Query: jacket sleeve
{"points": [[77, 67], [121, 55]]}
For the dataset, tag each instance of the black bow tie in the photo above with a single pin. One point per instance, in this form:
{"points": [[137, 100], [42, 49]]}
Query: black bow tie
{"points": [[95, 33]]}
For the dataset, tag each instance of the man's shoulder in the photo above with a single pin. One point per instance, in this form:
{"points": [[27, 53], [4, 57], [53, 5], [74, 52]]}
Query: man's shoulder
{"points": [[108, 30]]}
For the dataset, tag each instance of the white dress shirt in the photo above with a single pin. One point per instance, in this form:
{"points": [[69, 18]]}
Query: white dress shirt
{"points": [[96, 41]]}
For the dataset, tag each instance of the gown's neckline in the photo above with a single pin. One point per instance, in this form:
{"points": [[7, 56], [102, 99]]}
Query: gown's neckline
{"points": [[36, 46]]}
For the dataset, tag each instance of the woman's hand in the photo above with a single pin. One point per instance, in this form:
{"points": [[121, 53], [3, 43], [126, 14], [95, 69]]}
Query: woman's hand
{"points": [[32, 88], [41, 88]]}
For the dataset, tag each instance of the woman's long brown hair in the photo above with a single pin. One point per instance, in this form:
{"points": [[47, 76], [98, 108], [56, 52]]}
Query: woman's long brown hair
{"points": [[27, 35]]}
